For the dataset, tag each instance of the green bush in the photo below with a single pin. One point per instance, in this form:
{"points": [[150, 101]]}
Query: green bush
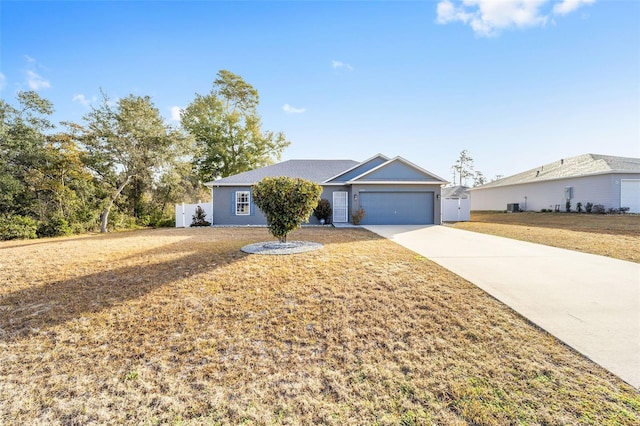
{"points": [[57, 226], [567, 206], [17, 228], [199, 218], [323, 210], [579, 207], [286, 203], [588, 207], [167, 222]]}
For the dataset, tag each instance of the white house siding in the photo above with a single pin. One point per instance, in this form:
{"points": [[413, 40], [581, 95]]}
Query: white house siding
{"points": [[597, 189]]}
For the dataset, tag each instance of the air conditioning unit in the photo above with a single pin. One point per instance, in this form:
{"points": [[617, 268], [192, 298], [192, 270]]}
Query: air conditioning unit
{"points": [[513, 207]]}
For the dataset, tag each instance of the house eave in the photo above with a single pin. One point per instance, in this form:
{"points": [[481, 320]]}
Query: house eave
{"points": [[528, 182], [394, 182]]}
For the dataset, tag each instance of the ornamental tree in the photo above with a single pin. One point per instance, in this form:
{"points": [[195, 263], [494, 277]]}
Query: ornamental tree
{"points": [[286, 202]]}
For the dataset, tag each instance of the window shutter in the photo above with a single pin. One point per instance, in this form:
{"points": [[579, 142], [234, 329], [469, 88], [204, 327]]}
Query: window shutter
{"points": [[233, 203], [252, 208]]}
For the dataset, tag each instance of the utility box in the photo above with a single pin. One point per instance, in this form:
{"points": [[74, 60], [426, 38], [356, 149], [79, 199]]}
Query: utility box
{"points": [[513, 207]]}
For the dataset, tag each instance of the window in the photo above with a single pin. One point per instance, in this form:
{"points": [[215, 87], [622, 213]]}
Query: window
{"points": [[242, 203]]}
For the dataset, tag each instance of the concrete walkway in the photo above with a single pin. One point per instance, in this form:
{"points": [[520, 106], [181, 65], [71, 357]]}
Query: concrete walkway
{"points": [[592, 303]]}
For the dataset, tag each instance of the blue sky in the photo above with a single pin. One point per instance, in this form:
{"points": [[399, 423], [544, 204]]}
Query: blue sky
{"points": [[516, 83]]}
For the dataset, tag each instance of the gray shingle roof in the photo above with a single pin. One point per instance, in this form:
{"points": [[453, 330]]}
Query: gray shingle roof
{"points": [[582, 165], [455, 192], [314, 170]]}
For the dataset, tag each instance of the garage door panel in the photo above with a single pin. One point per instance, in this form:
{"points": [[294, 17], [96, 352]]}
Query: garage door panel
{"points": [[397, 208], [630, 194]]}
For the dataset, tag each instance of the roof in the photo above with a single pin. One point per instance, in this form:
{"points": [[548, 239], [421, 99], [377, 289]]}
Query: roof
{"points": [[314, 170], [582, 165], [455, 192]]}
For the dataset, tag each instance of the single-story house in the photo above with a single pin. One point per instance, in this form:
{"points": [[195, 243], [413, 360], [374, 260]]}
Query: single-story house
{"points": [[389, 190], [456, 204], [613, 182]]}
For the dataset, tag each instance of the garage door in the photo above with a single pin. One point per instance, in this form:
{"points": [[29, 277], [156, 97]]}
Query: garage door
{"points": [[397, 208], [630, 194]]}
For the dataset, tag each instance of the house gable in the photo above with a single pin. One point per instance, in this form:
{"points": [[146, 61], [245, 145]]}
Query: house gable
{"points": [[397, 170], [358, 169]]}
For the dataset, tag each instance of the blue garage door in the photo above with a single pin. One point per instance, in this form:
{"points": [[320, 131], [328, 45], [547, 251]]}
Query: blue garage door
{"points": [[397, 208]]}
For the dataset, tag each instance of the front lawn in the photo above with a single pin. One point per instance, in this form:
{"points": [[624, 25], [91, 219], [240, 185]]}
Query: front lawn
{"points": [[179, 327], [616, 236]]}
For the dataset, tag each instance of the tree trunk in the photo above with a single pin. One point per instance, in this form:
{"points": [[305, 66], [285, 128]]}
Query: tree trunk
{"points": [[105, 213]]}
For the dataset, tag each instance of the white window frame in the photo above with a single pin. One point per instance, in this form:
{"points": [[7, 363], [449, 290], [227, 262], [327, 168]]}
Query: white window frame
{"points": [[243, 203]]}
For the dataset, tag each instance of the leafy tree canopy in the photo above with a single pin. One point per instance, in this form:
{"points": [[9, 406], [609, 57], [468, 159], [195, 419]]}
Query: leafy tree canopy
{"points": [[227, 130], [286, 202]]}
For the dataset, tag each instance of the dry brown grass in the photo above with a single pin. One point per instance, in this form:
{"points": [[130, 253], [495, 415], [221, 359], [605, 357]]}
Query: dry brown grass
{"points": [[616, 236], [179, 327]]}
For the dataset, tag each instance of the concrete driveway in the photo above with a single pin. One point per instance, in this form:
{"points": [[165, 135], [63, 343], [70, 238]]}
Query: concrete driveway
{"points": [[592, 303]]}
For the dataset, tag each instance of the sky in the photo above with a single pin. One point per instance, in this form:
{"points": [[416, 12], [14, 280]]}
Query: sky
{"points": [[516, 83]]}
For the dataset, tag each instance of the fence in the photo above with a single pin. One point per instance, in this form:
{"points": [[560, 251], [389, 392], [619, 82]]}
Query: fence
{"points": [[185, 212], [456, 209]]}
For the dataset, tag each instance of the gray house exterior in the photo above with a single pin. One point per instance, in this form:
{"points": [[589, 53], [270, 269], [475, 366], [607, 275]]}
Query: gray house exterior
{"points": [[391, 191], [613, 182]]}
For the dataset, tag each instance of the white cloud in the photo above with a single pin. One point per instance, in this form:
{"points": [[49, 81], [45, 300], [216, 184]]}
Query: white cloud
{"points": [[291, 110], [3, 81], [568, 6], [81, 99], [175, 113], [489, 17], [36, 82], [336, 65]]}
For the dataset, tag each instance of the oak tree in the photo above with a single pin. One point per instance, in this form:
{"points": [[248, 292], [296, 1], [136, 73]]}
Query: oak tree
{"points": [[227, 129]]}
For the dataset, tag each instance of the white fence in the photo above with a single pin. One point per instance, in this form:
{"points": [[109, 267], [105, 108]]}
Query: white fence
{"points": [[185, 212], [456, 209]]}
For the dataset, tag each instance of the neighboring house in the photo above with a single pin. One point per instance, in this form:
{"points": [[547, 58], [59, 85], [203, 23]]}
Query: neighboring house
{"points": [[391, 191], [613, 182], [456, 204]]}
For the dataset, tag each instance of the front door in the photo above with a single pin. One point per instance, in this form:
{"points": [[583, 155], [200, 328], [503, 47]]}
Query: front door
{"points": [[340, 207]]}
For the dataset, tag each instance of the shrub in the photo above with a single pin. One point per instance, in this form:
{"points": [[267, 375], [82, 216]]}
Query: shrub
{"points": [[57, 226], [357, 216], [323, 210], [598, 209], [567, 206], [579, 207], [199, 218], [17, 228], [286, 202], [167, 222], [588, 207]]}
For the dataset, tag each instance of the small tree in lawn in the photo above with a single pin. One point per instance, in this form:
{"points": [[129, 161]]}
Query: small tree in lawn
{"points": [[286, 202], [200, 218]]}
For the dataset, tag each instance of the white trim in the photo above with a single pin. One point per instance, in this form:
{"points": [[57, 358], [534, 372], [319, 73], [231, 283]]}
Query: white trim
{"points": [[384, 157], [248, 203], [407, 162], [343, 216], [394, 182]]}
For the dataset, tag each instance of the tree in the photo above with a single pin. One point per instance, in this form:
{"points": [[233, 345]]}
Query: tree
{"points": [[479, 179], [286, 202], [127, 146], [227, 130], [22, 152], [463, 167]]}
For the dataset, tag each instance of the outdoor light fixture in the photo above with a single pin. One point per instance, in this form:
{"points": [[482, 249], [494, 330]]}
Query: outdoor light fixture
{"points": [[355, 197]]}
